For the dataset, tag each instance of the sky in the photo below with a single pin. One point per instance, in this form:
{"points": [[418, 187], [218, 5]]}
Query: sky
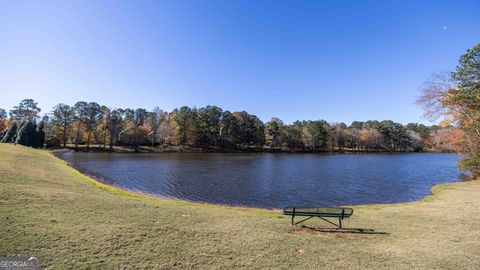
{"points": [[335, 60]]}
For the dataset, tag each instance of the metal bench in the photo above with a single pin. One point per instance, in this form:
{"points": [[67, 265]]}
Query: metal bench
{"points": [[320, 212]]}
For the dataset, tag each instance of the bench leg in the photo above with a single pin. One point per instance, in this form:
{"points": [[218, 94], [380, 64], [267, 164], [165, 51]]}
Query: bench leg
{"points": [[298, 222], [340, 222], [293, 220], [333, 223]]}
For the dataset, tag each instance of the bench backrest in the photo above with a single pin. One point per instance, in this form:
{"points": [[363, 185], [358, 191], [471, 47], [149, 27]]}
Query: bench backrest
{"points": [[318, 211]]}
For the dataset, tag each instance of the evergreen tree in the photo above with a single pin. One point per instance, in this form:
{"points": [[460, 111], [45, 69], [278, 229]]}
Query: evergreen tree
{"points": [[208, 125], [228, 130], [11, 134], [26, 110], [62, 117], [26, 134], [316, 134], [3, 114], [273, 132], [39, 136]]}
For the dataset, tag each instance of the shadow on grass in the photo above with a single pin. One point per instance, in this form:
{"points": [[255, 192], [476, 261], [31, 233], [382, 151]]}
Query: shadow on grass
{"points": [[344, 230]]}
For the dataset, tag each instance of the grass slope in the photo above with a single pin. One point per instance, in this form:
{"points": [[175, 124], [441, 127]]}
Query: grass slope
{"points": [[68, 220]]}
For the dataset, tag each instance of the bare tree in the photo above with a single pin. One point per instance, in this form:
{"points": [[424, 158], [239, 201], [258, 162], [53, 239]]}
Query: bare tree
{"points": [[434, 92]]}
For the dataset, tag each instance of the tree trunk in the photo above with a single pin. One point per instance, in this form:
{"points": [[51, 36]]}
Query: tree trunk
{"points": [[111, 146], [65, 136], [112, 137], [153, 138], [76, 139], [105, 137], [88, 139], [136, 140]]}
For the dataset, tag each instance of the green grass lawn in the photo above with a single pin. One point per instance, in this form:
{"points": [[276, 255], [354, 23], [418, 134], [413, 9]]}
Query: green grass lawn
{"points": [[68, 220]]}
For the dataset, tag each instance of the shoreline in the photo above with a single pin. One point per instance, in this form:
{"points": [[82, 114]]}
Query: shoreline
{"points": [[110, 183], [254, 150], [98, 180]]}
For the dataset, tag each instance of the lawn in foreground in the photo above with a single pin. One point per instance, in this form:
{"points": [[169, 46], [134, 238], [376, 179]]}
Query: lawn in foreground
{"points": [[68, 220]]}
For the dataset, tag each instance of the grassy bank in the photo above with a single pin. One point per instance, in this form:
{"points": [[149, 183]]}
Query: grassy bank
{"points": [[68, 220]]}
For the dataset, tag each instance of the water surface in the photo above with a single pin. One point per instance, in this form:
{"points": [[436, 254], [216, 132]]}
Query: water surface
{"points": [[274, 180]]}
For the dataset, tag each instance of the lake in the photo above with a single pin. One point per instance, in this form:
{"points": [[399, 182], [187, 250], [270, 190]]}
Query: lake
{"points": [[274, 180]]}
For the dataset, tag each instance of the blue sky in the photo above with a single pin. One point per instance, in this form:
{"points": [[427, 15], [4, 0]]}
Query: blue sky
{"points": [[334, 60]]}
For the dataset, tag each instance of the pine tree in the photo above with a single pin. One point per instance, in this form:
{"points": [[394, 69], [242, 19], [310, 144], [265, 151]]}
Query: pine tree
{"points": [[26, 134], [39, 137], [11, 134]]}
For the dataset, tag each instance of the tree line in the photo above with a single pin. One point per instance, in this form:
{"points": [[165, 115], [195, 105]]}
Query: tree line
{"points": [[86, 123]]}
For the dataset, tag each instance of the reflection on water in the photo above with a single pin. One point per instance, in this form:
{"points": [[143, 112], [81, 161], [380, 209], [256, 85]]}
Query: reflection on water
{"points": [[274, 180]]}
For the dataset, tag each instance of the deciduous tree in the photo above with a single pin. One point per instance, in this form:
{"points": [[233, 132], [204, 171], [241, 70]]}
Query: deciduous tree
{"points": [[456, 98]]}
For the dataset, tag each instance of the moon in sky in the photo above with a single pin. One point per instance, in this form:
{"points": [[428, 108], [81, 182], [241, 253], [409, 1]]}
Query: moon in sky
{"points": [[444, 28]]}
